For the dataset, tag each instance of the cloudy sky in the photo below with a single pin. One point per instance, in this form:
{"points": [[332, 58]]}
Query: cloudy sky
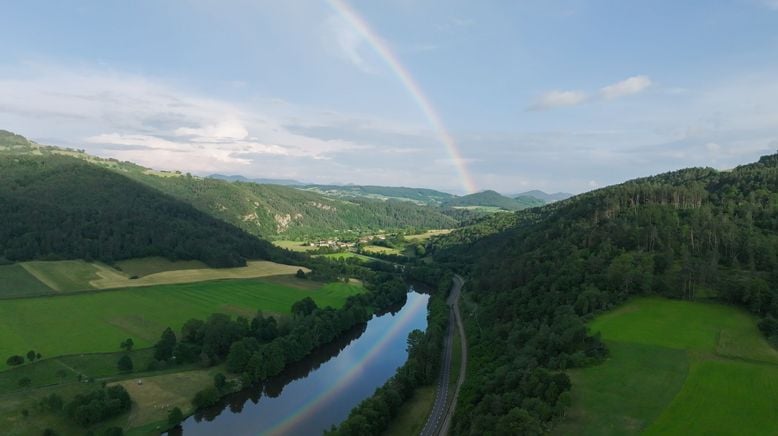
{"points": [[556, 95]]}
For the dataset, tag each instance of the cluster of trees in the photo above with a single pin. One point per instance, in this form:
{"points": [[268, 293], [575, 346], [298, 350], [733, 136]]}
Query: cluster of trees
{"points": [[17, 360], [58, 207], [98, 405], [262, 347], [536, 276], [374, 414]]}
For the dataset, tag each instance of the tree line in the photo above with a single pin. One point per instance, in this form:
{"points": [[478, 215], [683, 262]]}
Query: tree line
{"points": [[535, 278]]}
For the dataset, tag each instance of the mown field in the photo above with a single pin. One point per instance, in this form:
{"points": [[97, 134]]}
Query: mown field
{"points": [[51, 277], [15, 281], [99, 321], [677, 368]]}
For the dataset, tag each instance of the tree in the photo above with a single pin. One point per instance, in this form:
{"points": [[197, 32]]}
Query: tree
{"points": [[219, 381], [163, 350], [31, 355], [125, 363], [175, 416], [206, 398], [300, 274], [304, 307], [127, 344], [15, 360]]}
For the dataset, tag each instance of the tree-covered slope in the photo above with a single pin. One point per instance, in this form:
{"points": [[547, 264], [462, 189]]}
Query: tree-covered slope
{"points": [[540, 195], [421, 196], [268, 211], [58, 207], [534, 278], [494, 199]]}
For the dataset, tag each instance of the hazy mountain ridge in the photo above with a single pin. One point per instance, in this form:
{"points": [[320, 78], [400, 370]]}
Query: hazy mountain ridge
{"points": [[494, 199], [546, 197], [268, 211]]}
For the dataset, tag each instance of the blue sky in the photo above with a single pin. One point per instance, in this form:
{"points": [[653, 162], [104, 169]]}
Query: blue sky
{"points": [[556, 95]]}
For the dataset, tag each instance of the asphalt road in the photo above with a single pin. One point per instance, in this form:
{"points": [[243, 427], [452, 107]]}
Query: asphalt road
{"points": [[439, 420]]}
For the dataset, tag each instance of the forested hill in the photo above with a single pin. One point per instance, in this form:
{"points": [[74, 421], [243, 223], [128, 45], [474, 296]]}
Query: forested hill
{"points": [[268, 211], [536, 275], [421, 196], [58, 207], [494, 200]]}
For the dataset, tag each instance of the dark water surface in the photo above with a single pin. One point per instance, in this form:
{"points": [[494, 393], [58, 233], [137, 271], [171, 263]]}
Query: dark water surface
{"points": [[312, 395]]}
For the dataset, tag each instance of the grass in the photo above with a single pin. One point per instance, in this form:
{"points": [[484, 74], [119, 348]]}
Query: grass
{"points": [[63, 275], [723, 397], [257, 268], [18, 282], [625, 393], [153, 265], [98, 322], [348, 255], [413, 413], [155, 396], [428, 234], [677, 367], [78, 275], [380, 250], [294, 246]]}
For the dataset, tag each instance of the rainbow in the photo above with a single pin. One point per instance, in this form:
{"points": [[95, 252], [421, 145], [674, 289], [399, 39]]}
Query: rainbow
{"points": [[313, 405], [385, 52]]}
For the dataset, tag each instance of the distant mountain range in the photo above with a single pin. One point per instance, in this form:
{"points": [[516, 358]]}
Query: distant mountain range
{"points": [[259, 181], [540, 195], [492, 199], [484, 201]]}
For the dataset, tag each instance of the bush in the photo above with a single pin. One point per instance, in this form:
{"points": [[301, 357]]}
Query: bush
{"points": [[15, 360], [175, 416], [206, 398]]}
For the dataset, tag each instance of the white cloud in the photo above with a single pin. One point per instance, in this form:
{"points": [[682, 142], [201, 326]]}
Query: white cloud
{"points": [[556, 99], [348, 43], [629, 86], [771, 4]]}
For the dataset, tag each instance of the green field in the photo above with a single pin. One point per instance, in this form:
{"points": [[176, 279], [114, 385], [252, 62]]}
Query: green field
{"points": [[153, 265], [15, 281], [98, 322], [48, 277], [677, 367], [348, 255], [294, 246]]}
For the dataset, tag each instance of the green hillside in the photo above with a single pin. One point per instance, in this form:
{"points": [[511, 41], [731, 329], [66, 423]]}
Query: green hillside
{"points": [[419, 196], [492, 199], [536, 276], [676, 367], [59, 207], [268, 211]]}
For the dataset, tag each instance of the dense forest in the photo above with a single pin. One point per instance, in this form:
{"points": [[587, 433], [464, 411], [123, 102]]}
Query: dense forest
{"points": [[267, 211], [58, 207], [494, 199], [536, 276]]}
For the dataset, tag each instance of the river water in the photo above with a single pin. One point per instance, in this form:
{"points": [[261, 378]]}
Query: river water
{"points": [[318, 392]]}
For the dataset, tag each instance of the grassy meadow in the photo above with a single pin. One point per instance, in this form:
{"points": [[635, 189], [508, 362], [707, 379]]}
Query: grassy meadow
{"points": [[677, 368], [16, 282], [36, 278], [98, 322]]}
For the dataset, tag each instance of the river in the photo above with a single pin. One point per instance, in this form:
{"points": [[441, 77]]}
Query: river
{"points": [[318, 392]]}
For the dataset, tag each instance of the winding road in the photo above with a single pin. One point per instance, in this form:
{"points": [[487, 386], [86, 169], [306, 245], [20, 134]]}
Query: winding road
{"points": [[439, 419]]}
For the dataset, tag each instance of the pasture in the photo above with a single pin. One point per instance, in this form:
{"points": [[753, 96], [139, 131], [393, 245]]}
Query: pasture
{"points": [[427, 235], [294, 246], [676, 367], [47, 277], [15, 281], [99, 321]]}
